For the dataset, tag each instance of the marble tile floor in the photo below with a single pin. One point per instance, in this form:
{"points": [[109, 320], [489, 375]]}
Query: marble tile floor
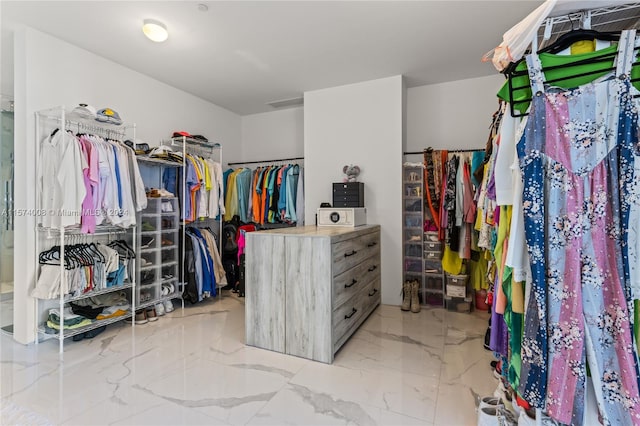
{"points": [[192, 367]]}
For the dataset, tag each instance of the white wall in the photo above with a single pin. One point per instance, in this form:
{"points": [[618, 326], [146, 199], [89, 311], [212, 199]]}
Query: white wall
{"points": [[49, 72], [360, 124], [451, 115], [272, 135]]}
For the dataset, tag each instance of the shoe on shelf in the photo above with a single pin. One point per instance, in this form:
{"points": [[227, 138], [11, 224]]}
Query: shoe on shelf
{"points": [[141, 317], [146, 243], [168, 306], [164, 193], [487, 402], [153, 193], [497, 373], [160, 309], [496, 416], [151, 314], [93, 333], [144, 262], [146, 226]]}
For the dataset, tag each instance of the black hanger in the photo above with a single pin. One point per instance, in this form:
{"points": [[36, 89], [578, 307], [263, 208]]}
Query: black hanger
{"points": [[125, 249], [97, 253], [54, 131], [566, 40]]}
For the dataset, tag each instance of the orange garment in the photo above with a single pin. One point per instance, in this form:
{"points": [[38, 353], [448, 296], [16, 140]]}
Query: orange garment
{"points": [[255, 197], [265, 196]]}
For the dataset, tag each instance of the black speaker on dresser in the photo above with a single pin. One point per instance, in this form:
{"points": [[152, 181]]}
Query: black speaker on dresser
{"points": [[348, 194]]}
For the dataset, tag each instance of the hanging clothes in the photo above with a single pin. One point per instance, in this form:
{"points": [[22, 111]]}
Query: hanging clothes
{"points": [[578, 147], [85, 180], [272, 194], [202, 266]]}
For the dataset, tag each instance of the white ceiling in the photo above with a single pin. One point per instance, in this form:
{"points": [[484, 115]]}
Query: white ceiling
{"points": [[243, 54]]}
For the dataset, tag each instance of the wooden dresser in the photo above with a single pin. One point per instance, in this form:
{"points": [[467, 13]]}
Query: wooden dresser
{"points": [[309, 288]]}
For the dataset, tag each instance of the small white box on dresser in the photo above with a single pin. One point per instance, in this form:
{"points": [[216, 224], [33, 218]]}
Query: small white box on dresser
{"points": [[342, 216]]}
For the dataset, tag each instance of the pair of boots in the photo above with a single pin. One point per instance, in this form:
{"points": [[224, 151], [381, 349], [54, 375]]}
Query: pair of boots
{"points": [[410, 300]]}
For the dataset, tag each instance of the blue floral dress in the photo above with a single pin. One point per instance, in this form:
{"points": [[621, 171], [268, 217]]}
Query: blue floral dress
{"points": [[577, 157]]}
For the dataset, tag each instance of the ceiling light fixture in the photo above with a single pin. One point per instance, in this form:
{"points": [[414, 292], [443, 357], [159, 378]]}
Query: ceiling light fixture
{"points": [[155, 30]]}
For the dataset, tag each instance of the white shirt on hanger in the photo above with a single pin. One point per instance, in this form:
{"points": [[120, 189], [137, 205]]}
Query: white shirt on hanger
{"points": [[61, 180]]}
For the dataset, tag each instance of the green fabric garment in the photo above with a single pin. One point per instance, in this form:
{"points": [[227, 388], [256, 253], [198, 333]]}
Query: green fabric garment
{"points": [[515, 325], [451, 261], [56, 326], [549, 60], [69, 320], [478, 273]]}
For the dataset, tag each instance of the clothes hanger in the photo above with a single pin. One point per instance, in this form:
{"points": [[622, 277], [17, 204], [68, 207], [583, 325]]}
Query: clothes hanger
{"points": [[575, 35]]}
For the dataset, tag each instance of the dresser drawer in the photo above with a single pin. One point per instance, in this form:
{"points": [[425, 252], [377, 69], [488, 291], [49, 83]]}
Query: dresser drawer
{"points": [[364, 302], [348, 253], [371, 295], [346, 316], [352, 281]]}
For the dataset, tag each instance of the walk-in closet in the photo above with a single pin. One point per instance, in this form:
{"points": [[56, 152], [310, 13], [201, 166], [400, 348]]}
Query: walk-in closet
{"points": [[317, 213]]}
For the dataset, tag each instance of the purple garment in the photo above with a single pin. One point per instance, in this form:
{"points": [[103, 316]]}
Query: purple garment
{"points": [[491, 184], [499, 332]]}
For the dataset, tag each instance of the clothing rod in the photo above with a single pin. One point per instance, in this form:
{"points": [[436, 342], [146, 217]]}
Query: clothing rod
{"points": [[265, 161], [448, 150]]}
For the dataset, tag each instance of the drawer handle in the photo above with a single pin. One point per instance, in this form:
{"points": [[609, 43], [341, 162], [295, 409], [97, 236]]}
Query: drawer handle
{"points": [[372, 244], [375, 290], [373, 268], [353, 312], [350, 254], [353, 282]]}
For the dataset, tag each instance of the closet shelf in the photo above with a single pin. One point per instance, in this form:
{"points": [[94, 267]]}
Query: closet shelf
{"points": [[95, 292], [195, 142], [76, 331], [174, 246], [147, 304], [76, 230], [158, 161]]}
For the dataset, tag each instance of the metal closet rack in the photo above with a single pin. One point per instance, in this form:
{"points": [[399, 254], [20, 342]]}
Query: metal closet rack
{"points": [[206, 150], [281, 160], [57, 119], [448, 150]]}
